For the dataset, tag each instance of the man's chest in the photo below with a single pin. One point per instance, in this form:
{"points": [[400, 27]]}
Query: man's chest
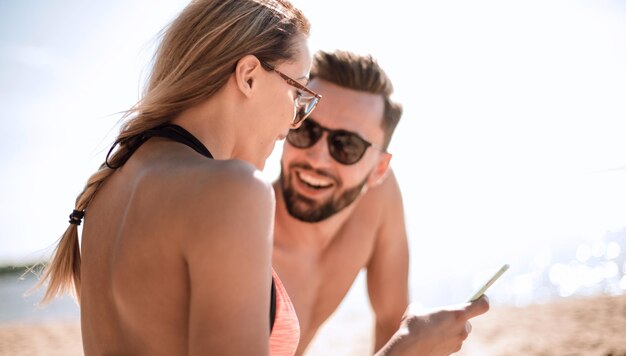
{"points": [[317, 280]]}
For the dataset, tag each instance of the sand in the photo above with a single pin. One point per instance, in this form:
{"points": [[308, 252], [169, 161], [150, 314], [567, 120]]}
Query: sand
{"points": [[50, 338], [580, 326]]}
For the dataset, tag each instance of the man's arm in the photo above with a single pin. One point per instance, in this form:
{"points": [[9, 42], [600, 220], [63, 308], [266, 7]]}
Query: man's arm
{"points": [[436, 333], [387, 269]]}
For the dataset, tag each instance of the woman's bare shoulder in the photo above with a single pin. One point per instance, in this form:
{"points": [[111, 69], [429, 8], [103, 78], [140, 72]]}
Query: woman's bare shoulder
{"points": [[215, 219], [211, 198], [201, 181], [232, 180]]}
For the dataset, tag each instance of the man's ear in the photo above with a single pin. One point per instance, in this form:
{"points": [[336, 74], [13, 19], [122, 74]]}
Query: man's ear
{"points": [[378, 174], [246, 72]]}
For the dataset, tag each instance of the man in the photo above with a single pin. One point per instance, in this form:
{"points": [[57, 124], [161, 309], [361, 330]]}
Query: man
{"points": [[339, 207]]}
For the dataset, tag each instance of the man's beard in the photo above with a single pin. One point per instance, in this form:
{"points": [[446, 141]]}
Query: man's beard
{"points": [[308, 210]]}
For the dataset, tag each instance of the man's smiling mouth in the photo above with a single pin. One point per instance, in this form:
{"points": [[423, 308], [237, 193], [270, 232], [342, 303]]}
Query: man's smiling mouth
{"points": [[314, 182]]}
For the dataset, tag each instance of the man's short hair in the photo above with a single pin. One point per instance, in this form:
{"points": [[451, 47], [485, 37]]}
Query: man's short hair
{"points": [[362, 73]]}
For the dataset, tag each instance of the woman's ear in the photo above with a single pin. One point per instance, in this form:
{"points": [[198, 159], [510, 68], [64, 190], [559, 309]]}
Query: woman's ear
{"points": [[246, 72]]}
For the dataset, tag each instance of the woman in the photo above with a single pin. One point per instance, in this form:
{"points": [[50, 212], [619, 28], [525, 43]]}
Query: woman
{"points": [[175, 251]]}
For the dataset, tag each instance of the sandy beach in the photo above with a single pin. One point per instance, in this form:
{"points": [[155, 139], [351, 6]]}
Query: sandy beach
{"points": [[56, 338], [578, 326]]}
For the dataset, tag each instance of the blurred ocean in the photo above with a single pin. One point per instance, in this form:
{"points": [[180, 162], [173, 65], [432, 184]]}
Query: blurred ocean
{"points": [[17, 304]]}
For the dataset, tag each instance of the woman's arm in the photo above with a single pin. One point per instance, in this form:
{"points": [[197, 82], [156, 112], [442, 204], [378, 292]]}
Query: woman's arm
{"points": [[228, 252]]}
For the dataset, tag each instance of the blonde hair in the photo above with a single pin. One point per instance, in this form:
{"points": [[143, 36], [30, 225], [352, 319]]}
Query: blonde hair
{"points": [[197, 54], [363, 73]]}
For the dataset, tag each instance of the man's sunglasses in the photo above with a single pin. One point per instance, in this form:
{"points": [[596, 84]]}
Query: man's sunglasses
{"points": [[304, 103], [344, 146]]}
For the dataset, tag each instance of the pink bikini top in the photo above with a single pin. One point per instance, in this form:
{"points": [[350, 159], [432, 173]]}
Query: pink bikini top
{"points": [[286, 329]]}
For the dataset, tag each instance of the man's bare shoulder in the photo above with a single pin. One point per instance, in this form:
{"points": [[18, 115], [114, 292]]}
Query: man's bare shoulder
{"points": [[385, 195]]}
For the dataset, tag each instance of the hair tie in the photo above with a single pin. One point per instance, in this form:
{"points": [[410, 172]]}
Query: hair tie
{"points": [[76, 217]]}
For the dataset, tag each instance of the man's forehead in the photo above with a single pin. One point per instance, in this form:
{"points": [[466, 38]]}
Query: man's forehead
{"points": [[343, 108], [335, 91]]}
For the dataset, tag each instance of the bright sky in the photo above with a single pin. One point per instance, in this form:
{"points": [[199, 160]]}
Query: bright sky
{"points": [[513, 136]]}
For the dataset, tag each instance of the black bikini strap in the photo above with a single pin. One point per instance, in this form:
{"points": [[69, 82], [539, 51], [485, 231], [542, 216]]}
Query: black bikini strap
{"points": [[273, 306], [173, 132]]}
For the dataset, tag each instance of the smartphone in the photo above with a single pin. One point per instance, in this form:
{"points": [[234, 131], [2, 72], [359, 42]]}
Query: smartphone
{"points": [[479, 293]]}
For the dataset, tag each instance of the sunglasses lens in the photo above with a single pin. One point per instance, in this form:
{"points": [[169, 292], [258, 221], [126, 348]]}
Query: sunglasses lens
{"points": [[345, 147], [305, 108], [306, 135]]}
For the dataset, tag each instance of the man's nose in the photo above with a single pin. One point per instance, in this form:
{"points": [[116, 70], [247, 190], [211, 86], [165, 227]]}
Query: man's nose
{"points": [[318, 154]]}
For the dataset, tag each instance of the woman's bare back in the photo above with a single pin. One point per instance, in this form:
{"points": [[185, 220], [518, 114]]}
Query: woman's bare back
{"points": [[136, 278]]}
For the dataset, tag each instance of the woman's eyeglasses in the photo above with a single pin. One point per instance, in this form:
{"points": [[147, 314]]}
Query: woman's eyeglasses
{"points": [[304, 103], [344, 146]]}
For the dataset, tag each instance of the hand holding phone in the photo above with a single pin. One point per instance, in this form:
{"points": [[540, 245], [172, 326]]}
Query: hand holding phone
{"points": [[479, 293]]}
